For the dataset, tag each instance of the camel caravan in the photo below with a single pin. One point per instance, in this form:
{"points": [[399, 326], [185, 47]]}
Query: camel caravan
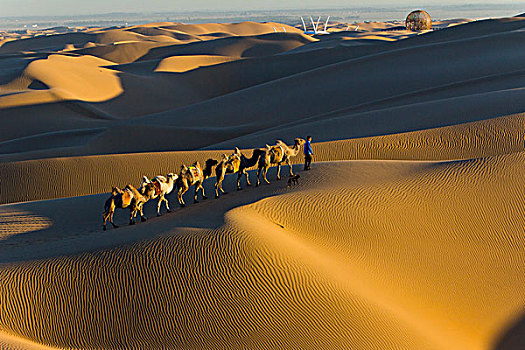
{"points": [[194, 175]]}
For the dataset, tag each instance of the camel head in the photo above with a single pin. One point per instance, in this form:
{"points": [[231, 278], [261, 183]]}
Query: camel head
{"points": [[183, 171], [145, 180], [299, 142], [210, 163], [172, 176]]}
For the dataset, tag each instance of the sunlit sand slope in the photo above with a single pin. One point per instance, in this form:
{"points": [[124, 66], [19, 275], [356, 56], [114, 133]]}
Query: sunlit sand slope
{"points": [[389, 255]]}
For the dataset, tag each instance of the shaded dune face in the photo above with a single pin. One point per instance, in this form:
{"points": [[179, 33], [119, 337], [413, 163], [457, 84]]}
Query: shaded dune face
{"points": [[123, 81], [406, 234]]}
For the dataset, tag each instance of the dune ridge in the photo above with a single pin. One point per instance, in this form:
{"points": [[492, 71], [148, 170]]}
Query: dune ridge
{"points": [[74, 176]]}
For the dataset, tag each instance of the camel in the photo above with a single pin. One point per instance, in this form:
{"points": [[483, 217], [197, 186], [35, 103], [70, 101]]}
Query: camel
{"points": [[236, 163], [163, 186], [228, 165], [247, 163], [130, 198], [277, 155], [193, 175]]}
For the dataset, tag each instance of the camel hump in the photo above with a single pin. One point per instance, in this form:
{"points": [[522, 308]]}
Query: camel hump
{"points": [[281, 143], [211, 162], [159, 178], [127, 196], [115, 191], [237, 150], [158, 189]]}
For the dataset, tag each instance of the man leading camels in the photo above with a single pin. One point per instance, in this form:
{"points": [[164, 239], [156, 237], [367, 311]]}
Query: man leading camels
{"points": [[308, 153]]}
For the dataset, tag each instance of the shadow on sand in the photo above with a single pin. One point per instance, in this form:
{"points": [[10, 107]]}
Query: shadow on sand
{"points": [[513, 338]]}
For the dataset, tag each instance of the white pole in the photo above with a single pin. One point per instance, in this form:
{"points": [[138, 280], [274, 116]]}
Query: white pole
{"points": [[326, 24]]}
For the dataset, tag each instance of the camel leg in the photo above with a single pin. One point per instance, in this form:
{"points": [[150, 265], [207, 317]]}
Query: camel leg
{"points": [[159, 204], [258, 180], [198, 186], [108, 215], [132, 212], [111, 219], [239, 175], [168, 210], [247, 179], [264, 175], [142, 217], [196, 193], [105, 217], [202, 189], [278, 171], [181, 192], [217, 189]]}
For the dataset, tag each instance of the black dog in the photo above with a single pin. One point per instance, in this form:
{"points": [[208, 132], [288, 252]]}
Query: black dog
{"points": [[293, 180]]}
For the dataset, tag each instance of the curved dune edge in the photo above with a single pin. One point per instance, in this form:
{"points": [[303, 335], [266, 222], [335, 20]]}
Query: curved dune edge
{"points": [[180, 64], [10, 342], [66, 78], [412, 255], [77, 176]]}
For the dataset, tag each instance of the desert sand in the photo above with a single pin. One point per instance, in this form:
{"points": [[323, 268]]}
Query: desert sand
{"points": [[407, 233]]}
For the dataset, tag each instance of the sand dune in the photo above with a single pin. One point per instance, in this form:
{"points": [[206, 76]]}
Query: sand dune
{"points": [[352, 279], [406, 233], [354, 79]]}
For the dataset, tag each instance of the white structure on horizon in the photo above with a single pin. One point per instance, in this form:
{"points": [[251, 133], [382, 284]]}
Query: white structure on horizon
{"points": [[315, 26]]}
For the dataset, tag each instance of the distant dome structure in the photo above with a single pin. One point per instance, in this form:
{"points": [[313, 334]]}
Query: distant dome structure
{"points": [[418, 20]]}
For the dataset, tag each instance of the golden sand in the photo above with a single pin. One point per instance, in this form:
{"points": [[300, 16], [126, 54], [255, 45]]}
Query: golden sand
{"points": [[407, 233]]}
